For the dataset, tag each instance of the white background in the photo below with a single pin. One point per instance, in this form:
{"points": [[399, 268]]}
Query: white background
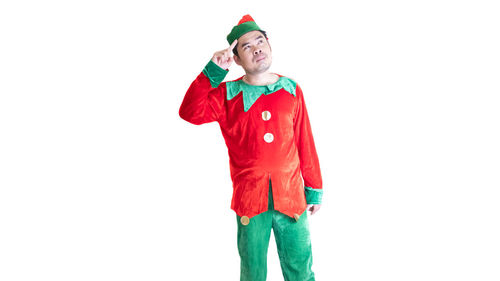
{"points": [[101, 180]]}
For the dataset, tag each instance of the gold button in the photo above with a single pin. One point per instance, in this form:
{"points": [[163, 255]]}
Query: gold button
{"points": [[268, 137], [297, 217], [266, 115], [245, 220]]}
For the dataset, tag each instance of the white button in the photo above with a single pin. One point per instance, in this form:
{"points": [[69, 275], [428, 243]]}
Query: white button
{"points": [[268, 137], [266, 115]]}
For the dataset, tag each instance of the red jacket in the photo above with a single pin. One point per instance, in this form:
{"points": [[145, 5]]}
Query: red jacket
{"points": [[268, 138]]}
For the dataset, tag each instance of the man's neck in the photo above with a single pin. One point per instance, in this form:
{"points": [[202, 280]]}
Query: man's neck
{"points": [[261, 79]]}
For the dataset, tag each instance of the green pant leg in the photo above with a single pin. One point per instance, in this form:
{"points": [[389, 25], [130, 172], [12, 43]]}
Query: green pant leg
{"points": [[253, 242], [294, 247]]}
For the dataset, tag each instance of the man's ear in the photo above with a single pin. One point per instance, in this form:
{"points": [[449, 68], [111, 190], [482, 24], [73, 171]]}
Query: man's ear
{"points": [[237, 60]]}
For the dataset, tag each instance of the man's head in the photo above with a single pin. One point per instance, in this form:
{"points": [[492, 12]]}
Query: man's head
{"points": [[253, 52]]}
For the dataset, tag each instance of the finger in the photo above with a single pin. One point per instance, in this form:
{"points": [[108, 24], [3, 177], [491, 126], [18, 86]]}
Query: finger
{"points": [[228, 52], [233, 45]]}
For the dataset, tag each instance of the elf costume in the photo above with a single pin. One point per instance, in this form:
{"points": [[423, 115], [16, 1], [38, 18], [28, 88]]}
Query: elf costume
{"points": [[273, 162]]}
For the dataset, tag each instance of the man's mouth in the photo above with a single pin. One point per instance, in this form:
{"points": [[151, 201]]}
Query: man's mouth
{"points": [[260, 58]]}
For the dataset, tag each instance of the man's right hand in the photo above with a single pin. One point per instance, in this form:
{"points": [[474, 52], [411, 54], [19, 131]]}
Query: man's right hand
{"points": [[224, 58]]}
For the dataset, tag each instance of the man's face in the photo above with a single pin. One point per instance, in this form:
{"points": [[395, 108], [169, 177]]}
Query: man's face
{"points": [[254, 53]]}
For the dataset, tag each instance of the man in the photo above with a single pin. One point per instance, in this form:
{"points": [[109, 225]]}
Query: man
{"points": [[273, 161]]}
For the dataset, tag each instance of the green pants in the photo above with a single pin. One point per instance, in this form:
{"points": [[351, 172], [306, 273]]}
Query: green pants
{"points": [[292, 240]]}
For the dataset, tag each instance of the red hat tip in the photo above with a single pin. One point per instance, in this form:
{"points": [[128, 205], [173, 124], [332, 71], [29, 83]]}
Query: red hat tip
{"points": [[245, 18]]}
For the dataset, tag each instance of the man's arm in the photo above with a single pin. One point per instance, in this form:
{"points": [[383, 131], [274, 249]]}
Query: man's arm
{"points": [[203, 102], [309, 163]]}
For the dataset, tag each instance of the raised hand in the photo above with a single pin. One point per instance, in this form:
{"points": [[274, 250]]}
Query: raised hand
{"points": [[224, 58]]}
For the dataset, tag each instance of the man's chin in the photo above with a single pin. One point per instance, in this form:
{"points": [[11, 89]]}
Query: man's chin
{"points": [[263, 66], [260, 68]]}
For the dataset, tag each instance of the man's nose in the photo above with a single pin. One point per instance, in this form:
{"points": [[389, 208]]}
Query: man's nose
{"points": [[256, 52]]}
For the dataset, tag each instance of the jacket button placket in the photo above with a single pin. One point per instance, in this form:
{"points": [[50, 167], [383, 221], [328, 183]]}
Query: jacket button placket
{"points": [[268, 137]]}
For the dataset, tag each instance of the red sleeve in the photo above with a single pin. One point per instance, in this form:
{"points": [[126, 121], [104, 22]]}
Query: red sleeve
{"points": [[309, 163], [203, 103]]}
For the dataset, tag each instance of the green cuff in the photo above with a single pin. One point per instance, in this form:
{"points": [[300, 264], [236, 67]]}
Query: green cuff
{"points": [[313, 196], [214, 73]]}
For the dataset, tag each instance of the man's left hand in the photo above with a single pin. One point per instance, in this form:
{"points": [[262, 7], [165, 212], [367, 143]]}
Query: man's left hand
{"points": [[313, 208]]}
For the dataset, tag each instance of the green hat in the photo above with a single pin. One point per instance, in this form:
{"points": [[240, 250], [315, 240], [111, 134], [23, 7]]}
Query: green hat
{"points": [[246, 24]]}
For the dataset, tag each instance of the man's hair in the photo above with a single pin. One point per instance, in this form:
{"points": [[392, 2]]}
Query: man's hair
{"points": [[235, 50]]}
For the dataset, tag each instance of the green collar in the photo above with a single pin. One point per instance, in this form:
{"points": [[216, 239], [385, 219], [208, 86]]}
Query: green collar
{"points": [[251, 93]]}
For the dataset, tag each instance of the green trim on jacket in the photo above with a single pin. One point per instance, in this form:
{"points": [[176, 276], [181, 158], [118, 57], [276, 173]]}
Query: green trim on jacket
{"points": [[313, 196], [214, 73], [251, 92]]}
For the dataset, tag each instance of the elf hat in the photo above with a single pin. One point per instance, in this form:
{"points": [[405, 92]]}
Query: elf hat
{"points": [[246, 24]]}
